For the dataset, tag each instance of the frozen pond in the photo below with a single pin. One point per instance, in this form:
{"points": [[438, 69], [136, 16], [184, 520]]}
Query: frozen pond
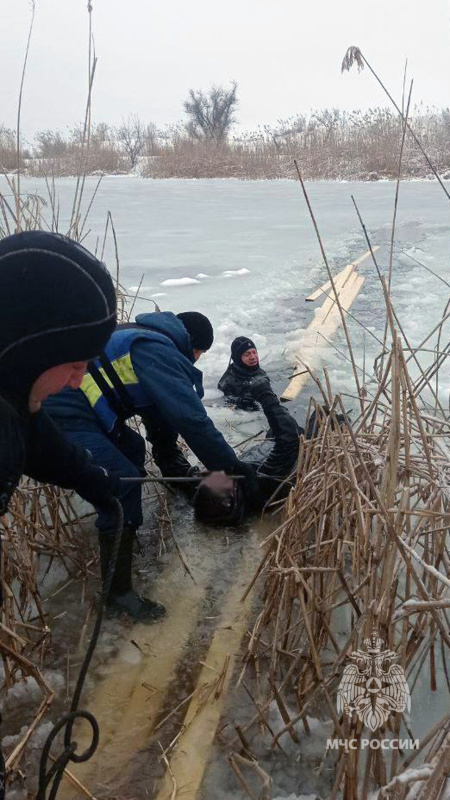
{"points": [[245, 254]]}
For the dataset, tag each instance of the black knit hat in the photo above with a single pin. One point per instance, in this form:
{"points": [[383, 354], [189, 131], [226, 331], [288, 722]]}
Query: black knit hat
{"points": [[58, 306], [199, 328], [238, 348]]}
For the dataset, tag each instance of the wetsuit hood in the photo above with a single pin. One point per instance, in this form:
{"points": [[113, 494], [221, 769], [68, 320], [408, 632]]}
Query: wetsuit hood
{"points": [[58, 306], [238, 347]]}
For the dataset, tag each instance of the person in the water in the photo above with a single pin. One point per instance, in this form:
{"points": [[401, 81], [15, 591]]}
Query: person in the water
{"points": [[220, 499], [243, 368]]}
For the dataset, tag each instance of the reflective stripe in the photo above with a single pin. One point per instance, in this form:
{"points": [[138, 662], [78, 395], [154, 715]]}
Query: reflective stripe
{"points": [[125, 371], [118, 352]]}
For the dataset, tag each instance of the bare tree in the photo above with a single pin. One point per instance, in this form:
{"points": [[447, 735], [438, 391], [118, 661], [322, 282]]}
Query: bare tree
{"points": [[132, 137], [50, 144], [211, 114], [101, 135], [151, 140]]}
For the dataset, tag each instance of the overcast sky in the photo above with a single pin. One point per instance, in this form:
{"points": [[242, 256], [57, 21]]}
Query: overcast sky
{"points": [[284, 54]]}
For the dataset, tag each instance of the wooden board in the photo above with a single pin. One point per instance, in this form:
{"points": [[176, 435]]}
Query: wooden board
{"points": [[326, 286], [326, 321]]}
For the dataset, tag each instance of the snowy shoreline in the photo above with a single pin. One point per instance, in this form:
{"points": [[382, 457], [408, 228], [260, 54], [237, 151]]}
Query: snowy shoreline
{"points": [[368, 178]]}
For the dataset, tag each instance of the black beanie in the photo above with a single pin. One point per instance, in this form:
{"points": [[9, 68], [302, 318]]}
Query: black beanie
{"points": [[58, 306], [238, 348], [199, 328]]}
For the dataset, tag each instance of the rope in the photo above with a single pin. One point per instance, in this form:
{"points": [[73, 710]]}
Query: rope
{"points": [[50, 777]]}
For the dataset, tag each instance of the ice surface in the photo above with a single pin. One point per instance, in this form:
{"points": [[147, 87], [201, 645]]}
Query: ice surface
{"points": [[311, 744], [255, 243], [28, 691]]}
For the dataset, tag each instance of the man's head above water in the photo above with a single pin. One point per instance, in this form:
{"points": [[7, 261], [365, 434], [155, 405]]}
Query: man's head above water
{"points": [[244, 352], [219, 500]]}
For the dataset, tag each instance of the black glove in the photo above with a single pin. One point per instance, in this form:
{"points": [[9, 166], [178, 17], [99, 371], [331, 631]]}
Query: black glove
{"points": [[252, 490], [262, 391], [245, 402], [98, 486]]}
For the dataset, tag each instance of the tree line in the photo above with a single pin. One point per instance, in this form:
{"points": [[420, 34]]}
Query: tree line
{"points": [[329, 144]]}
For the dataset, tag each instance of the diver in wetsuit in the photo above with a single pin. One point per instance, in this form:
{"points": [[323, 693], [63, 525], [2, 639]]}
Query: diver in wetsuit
{"points": [[243, 368], [222, 500]]}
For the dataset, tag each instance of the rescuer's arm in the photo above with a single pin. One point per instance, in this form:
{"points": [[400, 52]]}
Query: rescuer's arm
{"points": [[51, 458], [285, 432], [282, 458], [165, 375]]}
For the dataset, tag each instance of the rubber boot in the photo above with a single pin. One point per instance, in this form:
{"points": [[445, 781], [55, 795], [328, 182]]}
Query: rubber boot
{"points": [[121, 598]]}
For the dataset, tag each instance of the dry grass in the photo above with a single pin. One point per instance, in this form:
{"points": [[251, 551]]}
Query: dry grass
{"points": [[362, 547], [329, 144], [41, 526]]}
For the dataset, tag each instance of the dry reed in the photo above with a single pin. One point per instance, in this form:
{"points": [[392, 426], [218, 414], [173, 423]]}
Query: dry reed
{"points": [[362, 547]]}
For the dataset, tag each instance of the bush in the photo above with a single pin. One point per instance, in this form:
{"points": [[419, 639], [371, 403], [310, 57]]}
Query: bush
{"points": [[8, 150]]}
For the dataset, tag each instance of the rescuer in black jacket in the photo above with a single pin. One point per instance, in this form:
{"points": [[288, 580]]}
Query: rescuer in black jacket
{"points": [[221, 499], [58, 311]]}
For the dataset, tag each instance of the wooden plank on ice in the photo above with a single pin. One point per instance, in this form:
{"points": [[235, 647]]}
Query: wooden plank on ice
{"points": [[350, 267], [345, 273], [326, 321]]}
